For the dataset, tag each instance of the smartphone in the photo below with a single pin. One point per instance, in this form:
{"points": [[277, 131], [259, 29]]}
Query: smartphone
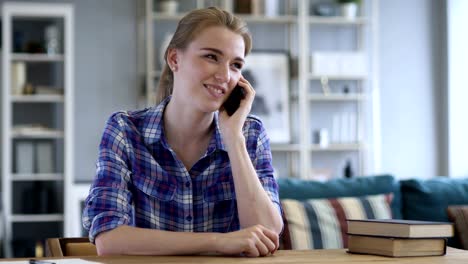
{"points": [[232, 103]]}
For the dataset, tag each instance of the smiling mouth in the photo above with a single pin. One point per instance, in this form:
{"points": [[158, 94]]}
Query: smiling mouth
{"points": [[214, 89]]}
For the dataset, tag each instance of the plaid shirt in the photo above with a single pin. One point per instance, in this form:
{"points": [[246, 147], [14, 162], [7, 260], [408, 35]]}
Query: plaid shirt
{"points": [[140, 181]]}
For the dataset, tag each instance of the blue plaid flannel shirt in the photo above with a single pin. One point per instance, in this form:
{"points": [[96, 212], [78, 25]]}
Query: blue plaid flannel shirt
{"points": [[140, 182]]}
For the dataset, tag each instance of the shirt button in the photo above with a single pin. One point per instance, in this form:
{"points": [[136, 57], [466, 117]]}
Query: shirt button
{"points": [[187, 184], [188, 218]]}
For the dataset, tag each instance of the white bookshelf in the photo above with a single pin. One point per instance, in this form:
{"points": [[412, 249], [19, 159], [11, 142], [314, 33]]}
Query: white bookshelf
{"points": [[60, 135], [27, 218], [298, 20], [38, 98], [336, 97], [37, 177], [37, 57], [337, 20]]}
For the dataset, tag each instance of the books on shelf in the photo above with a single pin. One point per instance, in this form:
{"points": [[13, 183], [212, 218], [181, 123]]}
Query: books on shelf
{"points": [[397, 247], [398, 238], [24, 157], [400, 228]]}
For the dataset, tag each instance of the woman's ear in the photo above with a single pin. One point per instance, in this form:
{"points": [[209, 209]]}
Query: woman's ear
{"points": [[172, 59]]}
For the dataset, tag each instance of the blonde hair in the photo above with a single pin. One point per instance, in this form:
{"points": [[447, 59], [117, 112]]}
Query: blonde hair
{"points": [[189, 27]]}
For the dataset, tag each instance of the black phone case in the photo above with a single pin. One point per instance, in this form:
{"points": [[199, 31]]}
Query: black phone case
{"points": [[233, 101]]}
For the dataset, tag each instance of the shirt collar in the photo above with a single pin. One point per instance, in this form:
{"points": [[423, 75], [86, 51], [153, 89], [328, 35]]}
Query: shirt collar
{"points": [[216, 141], [153, 130]]}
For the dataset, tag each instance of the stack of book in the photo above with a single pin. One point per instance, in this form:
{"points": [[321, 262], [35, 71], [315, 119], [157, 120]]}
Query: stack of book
{"points": [[398, 238]]}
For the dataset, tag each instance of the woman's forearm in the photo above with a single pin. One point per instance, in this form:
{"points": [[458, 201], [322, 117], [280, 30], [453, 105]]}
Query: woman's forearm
{"points": [[254, 205], [127, 240]]}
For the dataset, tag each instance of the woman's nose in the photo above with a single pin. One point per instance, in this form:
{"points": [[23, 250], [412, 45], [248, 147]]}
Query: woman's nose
{"points": [[223, 74]]}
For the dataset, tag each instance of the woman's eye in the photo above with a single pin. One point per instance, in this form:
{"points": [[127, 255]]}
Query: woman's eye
{"points": [[211, 56], [238, 66]]}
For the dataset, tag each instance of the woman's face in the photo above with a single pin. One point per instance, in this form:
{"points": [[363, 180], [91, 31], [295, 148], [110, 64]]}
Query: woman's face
{"points": [[209, 68]]}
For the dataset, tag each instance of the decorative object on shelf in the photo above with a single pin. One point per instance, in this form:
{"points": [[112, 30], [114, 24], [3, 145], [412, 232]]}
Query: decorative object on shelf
{"points": [[52, 39], [346, 89], [271, 8], [348, 171], [18, 77], [169, 7], [268, 72], [243, 6], [325, 86], [326, 63], [42, 89], [349, 8], [28, 89], [34, 47], [324, 9], [31, 129], [321, 137], [162, 50]]}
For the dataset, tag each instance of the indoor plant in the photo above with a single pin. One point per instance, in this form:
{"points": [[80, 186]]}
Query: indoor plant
{"points": [[349, 8]]}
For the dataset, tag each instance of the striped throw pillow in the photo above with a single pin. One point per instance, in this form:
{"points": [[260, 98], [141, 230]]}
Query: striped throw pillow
{"points": [[321, 223]]}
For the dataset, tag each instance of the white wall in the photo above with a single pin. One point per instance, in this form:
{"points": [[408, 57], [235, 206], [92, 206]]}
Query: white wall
{"points": [[410, 78], [457, 87]]}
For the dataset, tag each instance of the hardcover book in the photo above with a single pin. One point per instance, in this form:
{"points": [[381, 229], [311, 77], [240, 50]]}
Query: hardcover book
{"points": [[397, 247], [400, 228]]}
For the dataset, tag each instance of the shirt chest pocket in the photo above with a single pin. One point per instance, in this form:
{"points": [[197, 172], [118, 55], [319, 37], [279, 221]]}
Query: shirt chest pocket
{"points": [[158, 189], [222, 191]]}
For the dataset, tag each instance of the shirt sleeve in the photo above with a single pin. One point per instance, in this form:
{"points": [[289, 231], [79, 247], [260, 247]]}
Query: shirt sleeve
{"points": [[109, 203], [258, 146]]}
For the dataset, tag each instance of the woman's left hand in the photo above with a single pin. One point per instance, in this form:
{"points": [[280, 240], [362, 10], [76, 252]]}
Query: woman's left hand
{"points": [[231, 126]]}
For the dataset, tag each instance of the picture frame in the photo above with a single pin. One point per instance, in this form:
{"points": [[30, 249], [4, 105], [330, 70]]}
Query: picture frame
{"points": [[269, 74]]}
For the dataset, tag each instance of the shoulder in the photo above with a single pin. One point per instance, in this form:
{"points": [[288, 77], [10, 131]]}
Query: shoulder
{"points": [[253, 128], [128, 119], [253, 122]]}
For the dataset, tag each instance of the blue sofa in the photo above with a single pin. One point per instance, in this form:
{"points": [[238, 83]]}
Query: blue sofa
{"points": [[413, 199]]}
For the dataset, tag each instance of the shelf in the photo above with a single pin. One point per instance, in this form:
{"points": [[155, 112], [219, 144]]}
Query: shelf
{"points": [[35, 134], [268, 19], [40, 57], [166, 17], [38, 98], [337, 20], [336, 97], [285, 147], [37, 177], [338, 147], [247, 18], [37, 217], [338, 77]]}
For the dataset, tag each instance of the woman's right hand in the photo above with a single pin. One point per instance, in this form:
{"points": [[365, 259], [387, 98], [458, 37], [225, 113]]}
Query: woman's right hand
{"points": [[253, 241]]}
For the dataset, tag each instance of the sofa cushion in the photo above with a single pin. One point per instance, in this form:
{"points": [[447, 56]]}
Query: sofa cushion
{"points": [[360, 186], [459, 215], [428, 200], [321, 223]]}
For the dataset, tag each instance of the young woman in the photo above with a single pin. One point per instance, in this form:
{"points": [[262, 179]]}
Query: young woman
{"points": [[185, 177]]}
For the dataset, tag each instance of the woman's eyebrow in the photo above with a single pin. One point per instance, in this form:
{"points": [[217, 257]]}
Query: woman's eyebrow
{"points": [[221, 53]]}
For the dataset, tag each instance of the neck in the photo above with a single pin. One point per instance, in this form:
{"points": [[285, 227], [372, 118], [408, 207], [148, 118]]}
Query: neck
{"points": [[183, 125]]}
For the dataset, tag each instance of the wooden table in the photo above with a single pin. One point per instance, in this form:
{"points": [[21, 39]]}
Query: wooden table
{"points": [[330, 256]]}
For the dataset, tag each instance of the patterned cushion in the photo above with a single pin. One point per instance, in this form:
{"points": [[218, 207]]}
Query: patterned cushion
{"points": [[321, 223], [459, 215]]}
